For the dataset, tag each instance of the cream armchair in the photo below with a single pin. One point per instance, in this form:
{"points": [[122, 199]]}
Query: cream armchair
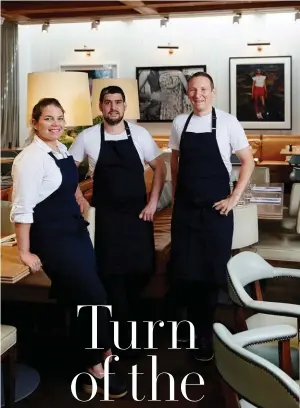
{"points": [[248, 267], [289, 220], [251, 377], [8, 353], [7, 228], [298, 222], [245, 223]]}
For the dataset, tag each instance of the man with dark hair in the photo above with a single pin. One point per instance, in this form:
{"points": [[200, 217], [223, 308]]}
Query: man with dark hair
{"points": [[112, 89], [124, 240], [202, 223]]}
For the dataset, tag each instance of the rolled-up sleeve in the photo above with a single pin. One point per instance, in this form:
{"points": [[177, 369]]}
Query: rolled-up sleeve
{"points": [[27, 174]]}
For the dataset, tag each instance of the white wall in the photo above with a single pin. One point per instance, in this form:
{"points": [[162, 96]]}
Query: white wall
{"points": [[202, 40]]}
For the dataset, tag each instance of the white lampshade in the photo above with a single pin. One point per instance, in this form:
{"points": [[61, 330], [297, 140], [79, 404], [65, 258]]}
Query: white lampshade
{"points": [[71, 89], [130, 88]]}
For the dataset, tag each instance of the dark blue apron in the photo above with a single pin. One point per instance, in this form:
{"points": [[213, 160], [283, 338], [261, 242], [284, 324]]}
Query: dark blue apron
{"points": [[201, 236], [59, 236], [124, 243]]}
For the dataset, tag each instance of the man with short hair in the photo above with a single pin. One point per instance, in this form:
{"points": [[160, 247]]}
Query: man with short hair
{"points": [[124, 237], [202, 222]]}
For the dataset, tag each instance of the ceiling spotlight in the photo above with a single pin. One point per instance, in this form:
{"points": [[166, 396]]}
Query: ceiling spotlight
{"points": [[236, 18], [95, 25], [297, 17], [164, 21], [45, 28]]}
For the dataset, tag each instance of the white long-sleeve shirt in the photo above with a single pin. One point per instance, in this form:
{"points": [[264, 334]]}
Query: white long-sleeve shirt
{"points": [[35, 177]]}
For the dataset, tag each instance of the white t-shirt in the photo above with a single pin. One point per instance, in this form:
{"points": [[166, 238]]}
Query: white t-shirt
{"points": [[88, 143], [230, 133], [259, 81]]}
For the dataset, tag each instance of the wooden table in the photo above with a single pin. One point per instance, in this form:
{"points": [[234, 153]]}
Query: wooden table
{"points": [[286, 151], [269, 211], [288, 155], [12, 270]]}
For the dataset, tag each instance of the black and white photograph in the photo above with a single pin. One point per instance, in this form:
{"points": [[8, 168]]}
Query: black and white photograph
{"points": [[260, 92], [163, 91]]}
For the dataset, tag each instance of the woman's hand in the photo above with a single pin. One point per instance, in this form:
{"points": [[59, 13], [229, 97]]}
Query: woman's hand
{"points": [[32, 261]]}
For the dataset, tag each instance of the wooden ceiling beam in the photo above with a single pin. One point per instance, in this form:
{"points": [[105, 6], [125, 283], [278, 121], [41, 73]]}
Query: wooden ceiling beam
{"points": [[59, 11], [49, 10], [152, 9], [225, 5], [140, 7]]}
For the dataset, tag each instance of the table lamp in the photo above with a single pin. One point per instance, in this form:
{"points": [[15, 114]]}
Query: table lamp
{"points": [[130, 88], [71, 89]]}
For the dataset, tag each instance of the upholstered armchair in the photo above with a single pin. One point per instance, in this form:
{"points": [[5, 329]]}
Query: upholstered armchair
{"points": [[248, 378], [7, 228], [298, 222], [245, 231], [8, 352], [260, 175], [295, 175], [246, 268], [289, 221]]}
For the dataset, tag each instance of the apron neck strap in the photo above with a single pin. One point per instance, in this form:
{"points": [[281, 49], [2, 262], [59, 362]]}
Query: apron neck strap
{"points": [[53, 157], [187, 123], [213, 121], [126, 129]]}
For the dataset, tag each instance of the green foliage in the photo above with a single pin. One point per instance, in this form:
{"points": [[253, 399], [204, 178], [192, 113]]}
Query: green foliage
{"points": [[68, 137], [96, 121]]}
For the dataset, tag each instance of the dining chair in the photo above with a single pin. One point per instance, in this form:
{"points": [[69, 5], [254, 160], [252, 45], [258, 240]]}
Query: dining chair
{"points": [[8, 363], [248, 380], [249, 268]]}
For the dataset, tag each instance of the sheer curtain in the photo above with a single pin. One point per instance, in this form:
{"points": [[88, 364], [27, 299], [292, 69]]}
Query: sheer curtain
{"points": [[9, 85]]}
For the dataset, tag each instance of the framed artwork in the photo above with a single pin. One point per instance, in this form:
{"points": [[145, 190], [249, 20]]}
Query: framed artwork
{"points": [[260, 91], [163, 91], [93, 71]]}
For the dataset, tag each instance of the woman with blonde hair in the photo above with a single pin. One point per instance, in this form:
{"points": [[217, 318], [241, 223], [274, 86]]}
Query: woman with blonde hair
{"points": [[51, 233]]}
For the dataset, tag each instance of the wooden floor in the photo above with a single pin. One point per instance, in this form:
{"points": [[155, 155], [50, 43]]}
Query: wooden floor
{"points": [[42, 344], [48, 352]]}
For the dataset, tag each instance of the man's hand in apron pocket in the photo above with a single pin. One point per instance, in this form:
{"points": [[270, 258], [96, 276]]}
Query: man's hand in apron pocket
{"points": [[226, 205]]}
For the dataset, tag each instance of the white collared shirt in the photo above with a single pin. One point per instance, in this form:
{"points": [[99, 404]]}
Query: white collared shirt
{"points": [[35, 177]]}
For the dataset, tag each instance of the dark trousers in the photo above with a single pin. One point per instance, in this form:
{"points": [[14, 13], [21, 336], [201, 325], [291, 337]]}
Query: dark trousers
{"points": [[70, 263], [124, 295], [199, 299]]}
